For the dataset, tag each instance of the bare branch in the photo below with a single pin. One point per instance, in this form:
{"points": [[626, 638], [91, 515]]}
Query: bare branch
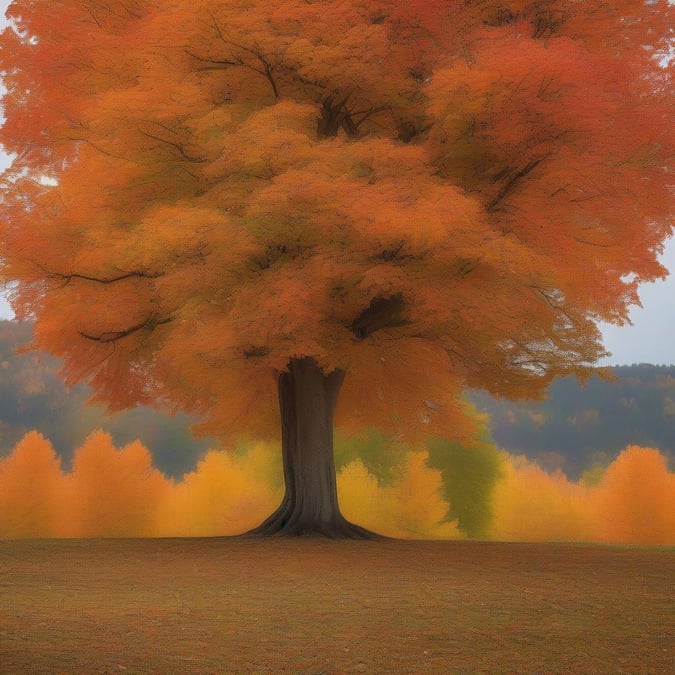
{"points": [[393, 254], [347, 120], [367, 114], [265, 68], [217, 63], [113, 336], [98, 148], [333, 116], [106, 280], [381, 313], [588, 243], [173, 144], [548, 296], [511, 183], [265, 71]]}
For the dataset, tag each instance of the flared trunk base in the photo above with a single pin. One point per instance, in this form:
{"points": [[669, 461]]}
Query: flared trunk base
{"points": [[282, 523]]}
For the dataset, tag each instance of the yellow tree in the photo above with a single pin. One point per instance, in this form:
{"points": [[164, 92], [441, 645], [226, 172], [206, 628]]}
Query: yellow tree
{"points": [[386, 200]]}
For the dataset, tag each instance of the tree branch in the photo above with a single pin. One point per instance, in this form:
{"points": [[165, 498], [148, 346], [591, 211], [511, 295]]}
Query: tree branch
{"points": [[333, 116], [511, 183], [173, 144], [550, 297], [366, 114], [106, 280], [265, 70], [381, 313], [113, 336]]}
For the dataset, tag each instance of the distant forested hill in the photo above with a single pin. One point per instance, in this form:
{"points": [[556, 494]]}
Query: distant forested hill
{"points": [[33, 397], [582, 425], [577, 427]]}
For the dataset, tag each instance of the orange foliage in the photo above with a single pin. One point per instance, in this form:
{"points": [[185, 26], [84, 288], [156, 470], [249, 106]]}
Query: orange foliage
{"points": [[635, 501], [412, 508], [235, 183], [118, 493], [225, 495], [419, 510], [31, 488], [532, 505], [113, 493]]}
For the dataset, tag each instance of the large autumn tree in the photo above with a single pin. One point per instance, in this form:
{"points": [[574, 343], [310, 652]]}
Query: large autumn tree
{"points": [[214, 204]]}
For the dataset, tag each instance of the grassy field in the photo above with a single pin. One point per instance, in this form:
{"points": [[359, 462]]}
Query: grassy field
{"points": [[311, 606]]}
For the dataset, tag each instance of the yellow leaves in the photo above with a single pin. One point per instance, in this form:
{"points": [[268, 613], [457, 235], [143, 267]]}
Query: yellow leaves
{"points": [[114, 492], [419, 510], [632, 502], [412, 508], [224, 495], [532, 505], [363, 501], [111, 492], [118, 493]]}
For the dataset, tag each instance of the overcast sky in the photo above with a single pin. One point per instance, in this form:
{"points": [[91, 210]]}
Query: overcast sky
{"points": [[651, 338]]}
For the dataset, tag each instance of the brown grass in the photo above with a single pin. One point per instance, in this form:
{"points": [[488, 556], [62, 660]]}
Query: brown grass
{"points": [[310, 606]]}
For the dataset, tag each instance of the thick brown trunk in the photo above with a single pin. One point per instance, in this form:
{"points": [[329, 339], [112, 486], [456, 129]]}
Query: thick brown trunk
{"points": [[307, 399]]}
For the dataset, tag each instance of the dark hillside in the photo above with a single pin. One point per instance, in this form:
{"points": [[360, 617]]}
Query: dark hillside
{"points": [[580, 425]]}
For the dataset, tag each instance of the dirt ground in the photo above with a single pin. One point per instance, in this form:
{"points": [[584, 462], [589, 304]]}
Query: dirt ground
{"points": [[312, 606]]}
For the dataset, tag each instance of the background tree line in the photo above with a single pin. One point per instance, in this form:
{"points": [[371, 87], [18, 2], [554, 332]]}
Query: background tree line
{"points": [[584, 425], [579, 426], [33, 397]]}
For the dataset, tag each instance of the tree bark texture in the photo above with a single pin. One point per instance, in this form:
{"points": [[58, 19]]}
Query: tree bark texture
{"points": [[307, 399]]}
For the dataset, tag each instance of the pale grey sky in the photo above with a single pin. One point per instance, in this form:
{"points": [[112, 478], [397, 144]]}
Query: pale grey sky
{"points": [[651, 338]]}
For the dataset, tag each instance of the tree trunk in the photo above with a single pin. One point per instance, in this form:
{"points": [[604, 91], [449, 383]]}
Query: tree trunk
{"points": [[307, 399]]}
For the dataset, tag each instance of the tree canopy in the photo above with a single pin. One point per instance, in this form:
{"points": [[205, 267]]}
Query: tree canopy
{"points": [[425, 194]]}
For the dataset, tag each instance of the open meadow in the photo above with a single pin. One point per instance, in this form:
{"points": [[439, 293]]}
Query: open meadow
{"points": [[315, 606]]}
